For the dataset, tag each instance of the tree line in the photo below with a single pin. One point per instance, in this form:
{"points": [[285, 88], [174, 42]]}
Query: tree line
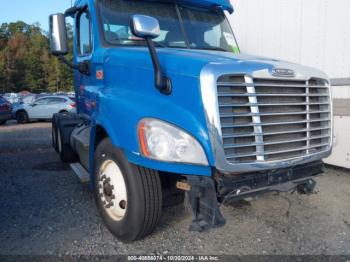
{"points": [[26, 63]]}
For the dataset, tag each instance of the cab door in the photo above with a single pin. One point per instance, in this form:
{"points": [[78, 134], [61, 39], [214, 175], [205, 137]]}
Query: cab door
{"points": [[84, 57]]}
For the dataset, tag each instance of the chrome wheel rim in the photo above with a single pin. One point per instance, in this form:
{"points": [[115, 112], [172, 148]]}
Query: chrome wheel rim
{"points": [[112, 190]]}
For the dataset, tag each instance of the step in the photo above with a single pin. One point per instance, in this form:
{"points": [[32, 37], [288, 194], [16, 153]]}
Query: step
{"points": [[81, 172]]}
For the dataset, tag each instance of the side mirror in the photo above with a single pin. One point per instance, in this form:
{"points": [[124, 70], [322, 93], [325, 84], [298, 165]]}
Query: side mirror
{"points": [[58, 35], [145, 26]]}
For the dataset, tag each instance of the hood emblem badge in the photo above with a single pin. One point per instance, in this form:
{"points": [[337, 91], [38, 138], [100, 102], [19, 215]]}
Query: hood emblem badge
{"points": [[283, 72]]}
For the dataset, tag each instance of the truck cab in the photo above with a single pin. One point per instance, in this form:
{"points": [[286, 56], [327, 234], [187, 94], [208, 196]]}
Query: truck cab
{"points": [[166, 102]]}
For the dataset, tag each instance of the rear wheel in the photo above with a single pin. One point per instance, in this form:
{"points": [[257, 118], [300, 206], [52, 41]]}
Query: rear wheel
{"points": [[2, 122], [22, 117], [128, 197]]}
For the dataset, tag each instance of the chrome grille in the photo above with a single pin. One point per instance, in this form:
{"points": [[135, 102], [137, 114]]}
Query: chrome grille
{"points": [[269, 120]]}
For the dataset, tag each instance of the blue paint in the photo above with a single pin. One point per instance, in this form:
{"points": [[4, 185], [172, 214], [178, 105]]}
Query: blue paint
{"points": [[224, 4], [127, 93]]}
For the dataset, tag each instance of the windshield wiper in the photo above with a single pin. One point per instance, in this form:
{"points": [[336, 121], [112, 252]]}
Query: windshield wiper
{"points": [[143, 41], [213, 49], [160, 45]]}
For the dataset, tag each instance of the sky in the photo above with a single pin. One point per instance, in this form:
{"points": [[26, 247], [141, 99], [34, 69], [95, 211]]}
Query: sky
{"points": [[31, 11]]}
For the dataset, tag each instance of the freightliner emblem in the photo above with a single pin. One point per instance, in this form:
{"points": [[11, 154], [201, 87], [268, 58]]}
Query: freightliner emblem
{"points": [[283, 72]]}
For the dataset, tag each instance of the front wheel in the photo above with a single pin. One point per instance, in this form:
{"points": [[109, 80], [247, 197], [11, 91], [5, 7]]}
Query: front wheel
{"points": [[128, 197], [22, 117]]}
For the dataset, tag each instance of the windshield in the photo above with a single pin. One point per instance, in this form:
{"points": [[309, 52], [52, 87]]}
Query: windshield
{"points": [[181, 26]]}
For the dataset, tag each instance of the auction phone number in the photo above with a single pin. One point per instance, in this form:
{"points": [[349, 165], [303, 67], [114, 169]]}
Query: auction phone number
{"points": [[163, 258]]}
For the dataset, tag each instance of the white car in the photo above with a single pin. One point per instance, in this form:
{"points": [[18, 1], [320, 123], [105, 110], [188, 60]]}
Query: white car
{"points": [[43, 108]]}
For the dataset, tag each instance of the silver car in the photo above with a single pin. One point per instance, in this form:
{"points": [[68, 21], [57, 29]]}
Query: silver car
{"points": [[43, 108]]}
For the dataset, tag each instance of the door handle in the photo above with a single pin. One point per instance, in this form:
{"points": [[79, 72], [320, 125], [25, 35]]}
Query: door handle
{"points": [[84, 67]]}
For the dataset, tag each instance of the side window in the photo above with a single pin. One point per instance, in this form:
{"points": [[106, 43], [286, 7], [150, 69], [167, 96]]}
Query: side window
{"points": [[56, 100], [43, 101], [84, 32]]}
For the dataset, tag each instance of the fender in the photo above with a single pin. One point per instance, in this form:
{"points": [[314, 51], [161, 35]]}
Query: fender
{"points": [[125, 137], [92, 153], [92, 147]]}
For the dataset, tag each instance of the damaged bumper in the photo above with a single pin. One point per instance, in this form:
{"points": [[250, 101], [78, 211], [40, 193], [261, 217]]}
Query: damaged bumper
{"points": [[206, 194]]}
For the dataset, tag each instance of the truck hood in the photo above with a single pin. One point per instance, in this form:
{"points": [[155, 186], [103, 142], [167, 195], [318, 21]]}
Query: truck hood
{"points": [[191, 63]]}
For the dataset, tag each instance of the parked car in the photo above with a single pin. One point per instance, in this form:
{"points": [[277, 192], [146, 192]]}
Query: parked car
{"points": [[43, 108], [5, 110]]}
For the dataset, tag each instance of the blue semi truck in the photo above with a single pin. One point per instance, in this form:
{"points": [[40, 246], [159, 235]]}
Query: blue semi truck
{"points": [[167, 104]]}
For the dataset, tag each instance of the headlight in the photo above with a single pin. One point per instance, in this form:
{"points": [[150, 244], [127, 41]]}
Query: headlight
{"points": [[165, 142]]}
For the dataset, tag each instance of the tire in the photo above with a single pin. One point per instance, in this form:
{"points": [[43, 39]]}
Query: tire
{"points": [[2, 122], [138, 214], [22, 117], [65, 127], [54, 132]]}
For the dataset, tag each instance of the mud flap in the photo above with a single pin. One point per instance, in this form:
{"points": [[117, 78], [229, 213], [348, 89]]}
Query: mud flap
{"points": [[204, 204]]}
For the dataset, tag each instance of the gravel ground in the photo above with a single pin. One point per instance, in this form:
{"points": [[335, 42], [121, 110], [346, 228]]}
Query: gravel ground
{"points": [[44, 211]]}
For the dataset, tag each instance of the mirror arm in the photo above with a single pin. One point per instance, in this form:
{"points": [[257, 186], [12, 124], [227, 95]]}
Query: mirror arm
{"points": [[72, 11], [67, 63], [83, 67], [161, 81]]}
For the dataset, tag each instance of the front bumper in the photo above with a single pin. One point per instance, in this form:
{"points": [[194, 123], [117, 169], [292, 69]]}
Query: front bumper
{"points": [[6, 116], [255, 183], [206, 193]]}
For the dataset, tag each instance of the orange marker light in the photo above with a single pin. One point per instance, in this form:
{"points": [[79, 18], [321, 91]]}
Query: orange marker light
{"points": [[99, 75], [142, 139]]}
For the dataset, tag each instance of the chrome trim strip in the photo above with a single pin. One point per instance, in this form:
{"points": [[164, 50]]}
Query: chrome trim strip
{"points": [[280, 123], [275, 104], [254, 109], [277, 142], [275, 114], [307, 90], [278, 132], [280, 95]]}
